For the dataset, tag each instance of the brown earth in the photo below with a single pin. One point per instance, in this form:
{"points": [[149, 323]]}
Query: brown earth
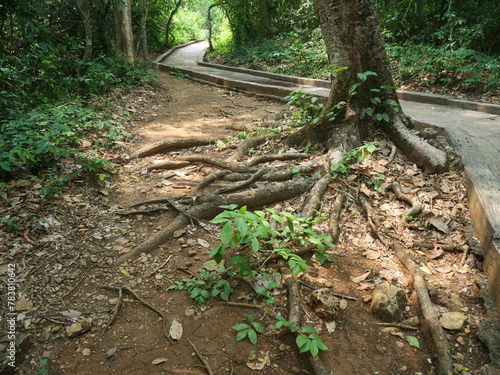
{"points": [[65, 249]]}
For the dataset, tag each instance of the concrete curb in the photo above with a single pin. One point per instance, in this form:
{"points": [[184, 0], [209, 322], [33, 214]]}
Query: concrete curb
{"points": [[402, 94]]}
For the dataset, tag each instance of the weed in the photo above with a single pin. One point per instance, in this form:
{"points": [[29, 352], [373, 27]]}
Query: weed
{"points": [[42, 370], [210, 284], [10, 225], [248, 330], [309, 341], [252, 231], [356, 155]]}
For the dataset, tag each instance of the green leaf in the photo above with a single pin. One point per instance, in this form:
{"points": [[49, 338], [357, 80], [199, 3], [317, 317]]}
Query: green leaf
{"points": [[252, 336], [241, 335], [258, 327], [226, 233], [308, 329], [313, 348], [302, 342], [413, 341], [371, 148], [241, 226], [240, 327]]}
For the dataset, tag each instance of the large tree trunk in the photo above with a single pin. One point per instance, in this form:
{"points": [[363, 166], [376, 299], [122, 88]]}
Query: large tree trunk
{"points": [[124, 36], [353, 40]]}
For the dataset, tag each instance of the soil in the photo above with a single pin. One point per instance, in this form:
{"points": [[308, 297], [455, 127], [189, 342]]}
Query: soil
{"points": [[65, 249]]}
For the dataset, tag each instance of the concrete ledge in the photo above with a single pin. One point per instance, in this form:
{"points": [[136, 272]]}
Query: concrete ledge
{"points": [[483, 191], [278, 77], [436, 99]]}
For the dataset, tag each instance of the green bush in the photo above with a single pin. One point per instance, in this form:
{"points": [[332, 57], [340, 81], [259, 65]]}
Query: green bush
{"points": [[426, 65], [42, 136]]}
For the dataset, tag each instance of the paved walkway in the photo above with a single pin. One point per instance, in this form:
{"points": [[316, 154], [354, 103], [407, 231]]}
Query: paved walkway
{"points": [[473, 128]]}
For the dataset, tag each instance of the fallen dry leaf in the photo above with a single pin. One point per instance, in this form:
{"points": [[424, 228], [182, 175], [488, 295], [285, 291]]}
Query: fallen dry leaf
{"points": [[363, 277]]}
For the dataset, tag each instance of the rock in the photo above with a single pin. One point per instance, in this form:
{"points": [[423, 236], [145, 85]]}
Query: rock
{"points": [[489, 334], [388, 302], [324, 304], [74, 330], [428, 133], [453, 321]]}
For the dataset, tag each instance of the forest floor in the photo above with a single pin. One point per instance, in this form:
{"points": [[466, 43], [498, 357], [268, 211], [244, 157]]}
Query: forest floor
{"points": [[65, 250]]}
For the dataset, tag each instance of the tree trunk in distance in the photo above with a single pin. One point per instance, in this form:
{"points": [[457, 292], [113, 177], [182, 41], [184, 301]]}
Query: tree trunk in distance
{"points": [[123, 25], [83, 9]]}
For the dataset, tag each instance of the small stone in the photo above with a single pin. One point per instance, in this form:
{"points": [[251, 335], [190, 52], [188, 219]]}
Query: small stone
{"points": [[86, 352], [453, 320], [326, 305], [296, 370], [74, 330], [158, 276], [189, 311], [388, 302], [24, 305], [192, 253]]}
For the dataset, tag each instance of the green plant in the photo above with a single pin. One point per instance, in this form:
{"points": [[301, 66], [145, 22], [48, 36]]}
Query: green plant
{"points": [[356, 155], [376, 102], [267, 284], [249, 330], [309, 341], [42, 370], [10, 225], [210, 284], [252, 232]]}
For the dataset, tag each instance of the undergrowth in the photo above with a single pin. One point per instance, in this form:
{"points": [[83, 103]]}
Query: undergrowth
{"points": [[439, 69]]}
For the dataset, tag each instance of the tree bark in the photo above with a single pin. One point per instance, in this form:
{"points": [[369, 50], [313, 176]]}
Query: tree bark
{"points": [[123, 25], [143, 4], [83, 9]]}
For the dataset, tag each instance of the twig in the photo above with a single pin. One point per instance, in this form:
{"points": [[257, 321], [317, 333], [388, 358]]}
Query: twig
{"points": [[392, 156], [398, 325], [115, 311], [149, 306], [333, 293], [445, 361], [202, 360], [157, 268]]}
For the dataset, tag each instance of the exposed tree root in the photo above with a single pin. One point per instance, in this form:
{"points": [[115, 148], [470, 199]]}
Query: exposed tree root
{"points": [[315, 196], [445, 366], [295, 316], [168, 164], [149, 306], [209, 206], [442, 346], [334, 222], [244, 147], [416, 206], [202, 359], [253, 178], [235, 167], [214, 177], [171, 144], [268, 158], [431, 159]]}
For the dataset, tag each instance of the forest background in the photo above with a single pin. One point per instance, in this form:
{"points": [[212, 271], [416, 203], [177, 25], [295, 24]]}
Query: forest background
{"points": [[59, 58]]}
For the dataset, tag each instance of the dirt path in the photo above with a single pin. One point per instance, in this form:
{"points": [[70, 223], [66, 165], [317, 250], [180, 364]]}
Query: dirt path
{"points": [[66, 263]]}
